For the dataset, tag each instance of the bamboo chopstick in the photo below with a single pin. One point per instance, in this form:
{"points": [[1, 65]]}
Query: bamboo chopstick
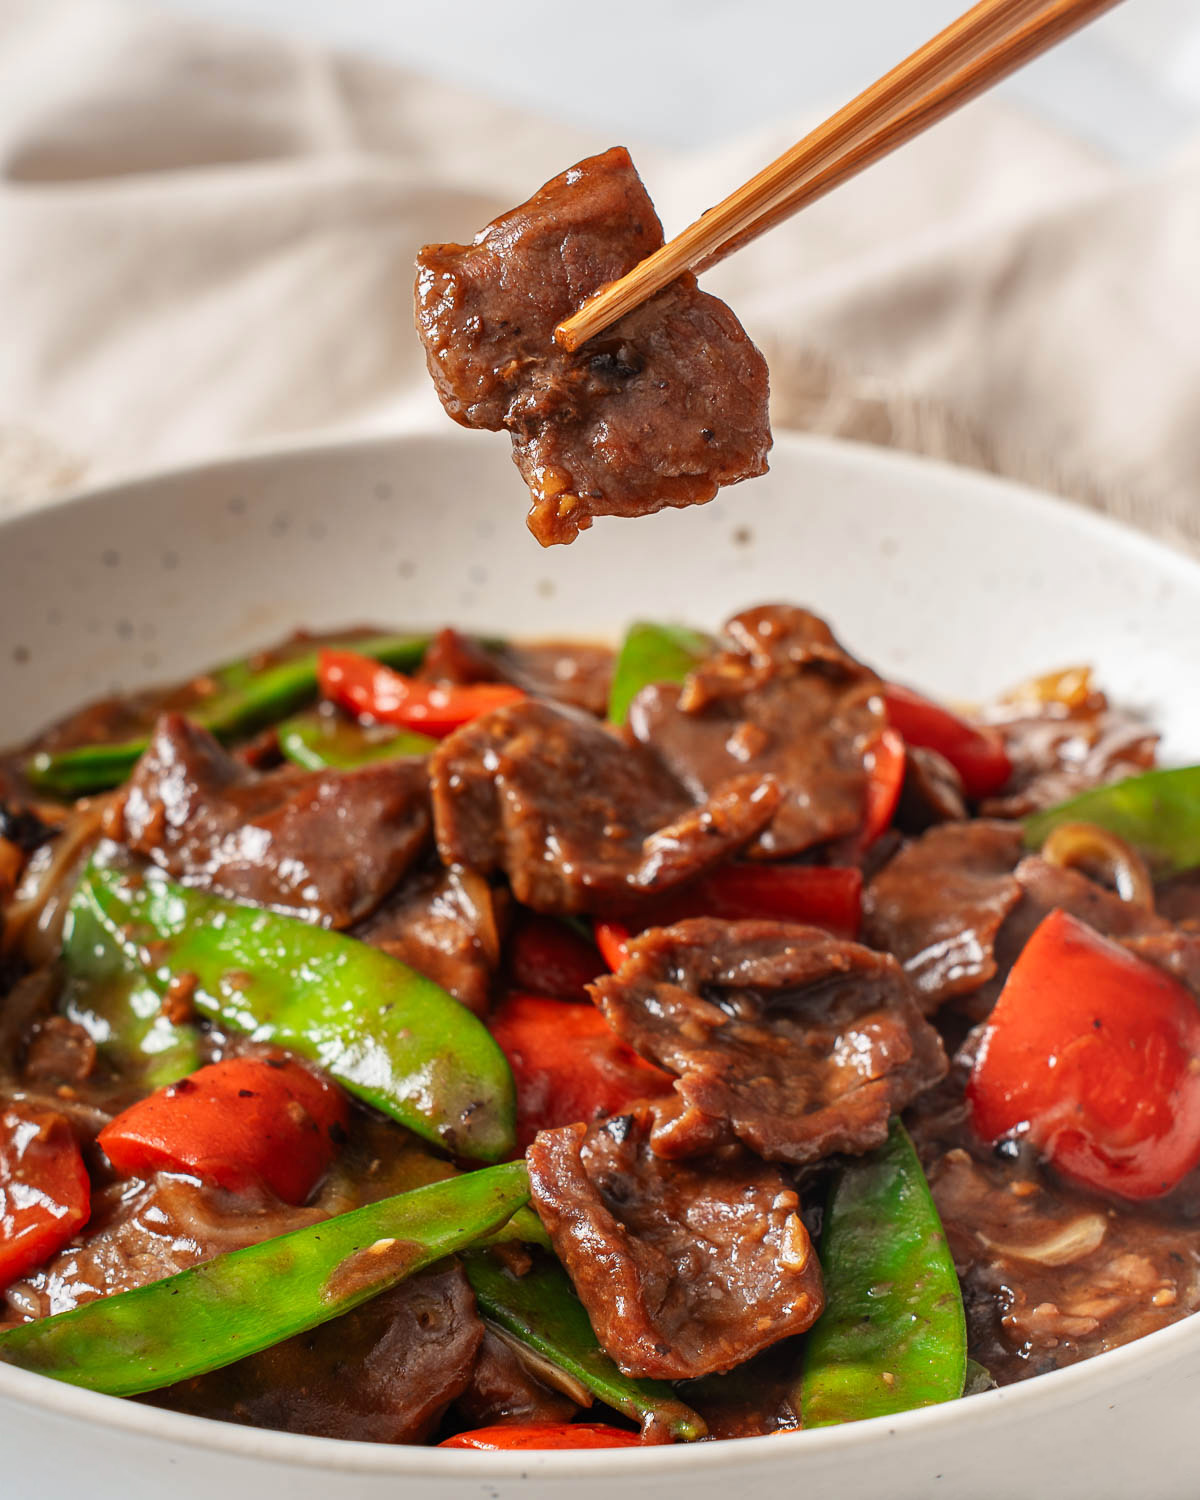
{"points": [[988, 42]]}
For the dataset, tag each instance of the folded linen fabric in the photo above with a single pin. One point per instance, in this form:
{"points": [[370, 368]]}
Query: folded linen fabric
{"points": [[206, 241]]}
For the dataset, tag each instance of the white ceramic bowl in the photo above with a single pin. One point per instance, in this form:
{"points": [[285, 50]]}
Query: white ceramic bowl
{"points": [[956, 582]]}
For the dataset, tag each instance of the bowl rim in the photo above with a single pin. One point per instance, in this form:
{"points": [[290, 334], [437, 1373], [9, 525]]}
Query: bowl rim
{"points": [[340, 1456], [344, 1457], [849, 453]]}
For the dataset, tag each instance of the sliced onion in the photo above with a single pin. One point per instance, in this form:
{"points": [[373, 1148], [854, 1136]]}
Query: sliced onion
{"points": [[544, 1369], [1087, 846], [33, 919], [1070, 1242], [1070, 688], [478, 900]]}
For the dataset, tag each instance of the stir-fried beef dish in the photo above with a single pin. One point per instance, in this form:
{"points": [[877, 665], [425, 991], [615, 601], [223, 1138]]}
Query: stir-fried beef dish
{"points": [[416, 1039], [666, 406]]}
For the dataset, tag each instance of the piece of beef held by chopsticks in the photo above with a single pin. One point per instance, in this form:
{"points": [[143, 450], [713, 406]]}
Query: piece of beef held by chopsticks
{"points": [[662, 409]]}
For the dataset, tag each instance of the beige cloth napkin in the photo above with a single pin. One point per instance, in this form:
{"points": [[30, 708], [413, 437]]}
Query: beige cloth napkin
{"points": [[206, 241]]}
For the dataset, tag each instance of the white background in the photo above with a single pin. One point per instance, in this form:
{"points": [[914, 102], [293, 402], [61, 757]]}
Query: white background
{"points": [[691, 72]]}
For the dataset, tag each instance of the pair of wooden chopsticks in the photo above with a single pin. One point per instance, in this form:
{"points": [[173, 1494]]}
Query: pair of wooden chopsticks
{"points": [[991, 40]]}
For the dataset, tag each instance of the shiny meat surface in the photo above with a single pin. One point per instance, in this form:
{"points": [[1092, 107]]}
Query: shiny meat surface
{"points": [[443, 924], [1061, 751], [577, 819], [940, 903], [1179, 900], [1146, 932], [752, 1400], [660, 410], [796, 1043], [785, 701], [684, 1269], [323, 845], [58, 1051], [932, 792], [573, 672], [384, 1373]]}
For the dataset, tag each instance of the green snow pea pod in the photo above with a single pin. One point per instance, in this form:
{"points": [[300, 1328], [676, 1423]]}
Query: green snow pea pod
{"points": [[110, 997], [315, 741], [247, 1300], [893, 1334], [1158, 813], [653, 653], [246, 699], [83, 769], [541, 1310], [390, 1036], [421, 1167]]}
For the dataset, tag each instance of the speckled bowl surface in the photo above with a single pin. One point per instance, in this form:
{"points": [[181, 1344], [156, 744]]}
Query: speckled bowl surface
{"points": [[955, 582]]}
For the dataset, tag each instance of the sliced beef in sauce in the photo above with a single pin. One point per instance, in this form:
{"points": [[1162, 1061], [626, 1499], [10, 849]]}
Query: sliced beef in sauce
{"points": [[958, 905], [1046, 887], [323, 845], [1178, 899], [751, 1401], [454, 657], [384, 1373], [1061, 751], [443, 923], [141, 1231], [27, 999], [660, 410], [578, 673], [577, 819], [796, 1043], [785, 701], [573, 672], [1050, 1276], [59, 1051], [940, 903], [504, 1389], [684, 1269], [932, 792]]}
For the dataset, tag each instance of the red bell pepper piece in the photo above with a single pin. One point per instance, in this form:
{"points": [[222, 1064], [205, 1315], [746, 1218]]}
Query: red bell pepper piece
{"points": [[885, 763], [45, 1193], [236, 1123], [545, 957], [369, 690], [568, 1064], [612, 939], [978, 755], [519, 1435], [828, 896], [1093, 1051]]}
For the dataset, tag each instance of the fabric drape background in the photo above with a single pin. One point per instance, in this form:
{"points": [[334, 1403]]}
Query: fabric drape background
{"points": [[206, 242]]}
